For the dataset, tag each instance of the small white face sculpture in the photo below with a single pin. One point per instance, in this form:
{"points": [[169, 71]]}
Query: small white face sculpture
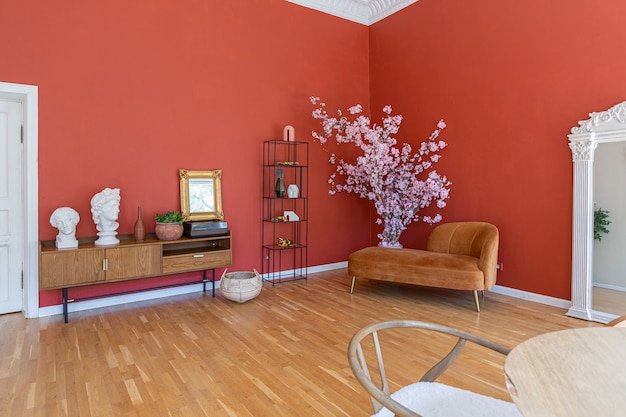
{"points": [[105, 207], [65, 219]]}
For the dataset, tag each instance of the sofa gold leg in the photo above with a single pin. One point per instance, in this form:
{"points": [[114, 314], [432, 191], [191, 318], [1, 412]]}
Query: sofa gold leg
{"points": [[352, 286], [476, 300]]}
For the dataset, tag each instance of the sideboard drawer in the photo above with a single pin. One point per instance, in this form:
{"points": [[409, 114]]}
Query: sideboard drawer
{"points": [[196, 261]]}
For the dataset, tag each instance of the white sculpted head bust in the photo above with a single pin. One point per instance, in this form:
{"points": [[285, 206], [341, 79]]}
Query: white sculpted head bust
{"points": [[65, 219], [105, 207]]}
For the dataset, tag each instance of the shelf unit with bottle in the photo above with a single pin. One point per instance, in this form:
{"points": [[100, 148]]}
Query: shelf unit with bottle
{"points": [[285, 211]]}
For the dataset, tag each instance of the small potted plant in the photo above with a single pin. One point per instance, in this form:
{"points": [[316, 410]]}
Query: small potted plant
{"points": [[169, 226]]}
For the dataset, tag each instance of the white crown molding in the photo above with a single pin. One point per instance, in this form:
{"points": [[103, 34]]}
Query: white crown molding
{"points": [[365, 12]]}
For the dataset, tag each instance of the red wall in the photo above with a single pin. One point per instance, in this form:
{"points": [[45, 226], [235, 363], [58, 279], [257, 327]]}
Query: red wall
{"points": [[131, 91], [510, 79]]}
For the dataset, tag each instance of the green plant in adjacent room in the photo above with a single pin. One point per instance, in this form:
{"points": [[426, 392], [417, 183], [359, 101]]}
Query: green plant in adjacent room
{"points": [[169, 217], [600, 223]]}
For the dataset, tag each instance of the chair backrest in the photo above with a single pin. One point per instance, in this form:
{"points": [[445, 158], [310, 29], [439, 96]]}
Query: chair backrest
{"points": [[477, 239], [380, 395]]}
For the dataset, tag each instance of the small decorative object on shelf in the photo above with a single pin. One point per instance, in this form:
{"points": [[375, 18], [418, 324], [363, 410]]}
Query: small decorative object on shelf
{"points": [[284, 243], [280, 183], [291, 216], [289, 134], [105, 207], [65, 219], [169, 226], [241, 286], [293, 191], [140, 229]]}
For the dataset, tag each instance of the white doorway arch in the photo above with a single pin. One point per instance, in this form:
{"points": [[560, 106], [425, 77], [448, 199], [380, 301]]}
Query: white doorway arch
{"points": [[28, 96], [602, 127]]}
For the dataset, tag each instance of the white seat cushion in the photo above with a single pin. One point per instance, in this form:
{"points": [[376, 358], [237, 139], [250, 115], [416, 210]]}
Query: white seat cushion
{"points": [[432, 399]]}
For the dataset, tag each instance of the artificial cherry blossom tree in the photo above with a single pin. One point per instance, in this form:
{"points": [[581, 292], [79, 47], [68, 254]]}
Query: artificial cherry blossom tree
{"points": [[398, 181]]}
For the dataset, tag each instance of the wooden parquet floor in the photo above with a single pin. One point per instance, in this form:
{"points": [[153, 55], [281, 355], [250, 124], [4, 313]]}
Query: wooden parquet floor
{"points": [[281, 354], [609, 301]]}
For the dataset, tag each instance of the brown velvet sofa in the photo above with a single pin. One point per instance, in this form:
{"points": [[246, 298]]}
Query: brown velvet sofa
{"points": [[459, 256]]}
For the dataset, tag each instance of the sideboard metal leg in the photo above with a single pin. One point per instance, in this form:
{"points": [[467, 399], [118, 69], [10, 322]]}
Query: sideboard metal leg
{"points": [[65, 314]]}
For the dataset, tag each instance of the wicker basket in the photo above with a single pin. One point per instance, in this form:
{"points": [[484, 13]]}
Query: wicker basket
{"points": [[241, 286]]}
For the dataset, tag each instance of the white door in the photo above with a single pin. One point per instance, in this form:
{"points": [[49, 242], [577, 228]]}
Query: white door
{"points": [[11, 210]]}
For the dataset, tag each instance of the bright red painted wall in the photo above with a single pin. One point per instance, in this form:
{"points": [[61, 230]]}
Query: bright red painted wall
{"points": [[510, 79], [131, 91]]}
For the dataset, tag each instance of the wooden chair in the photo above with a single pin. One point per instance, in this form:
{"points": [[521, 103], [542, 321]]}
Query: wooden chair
{"points": [[424, 398]]}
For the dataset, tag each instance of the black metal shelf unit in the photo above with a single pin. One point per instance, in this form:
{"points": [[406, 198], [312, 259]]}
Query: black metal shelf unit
{"points": [[285, 211]]}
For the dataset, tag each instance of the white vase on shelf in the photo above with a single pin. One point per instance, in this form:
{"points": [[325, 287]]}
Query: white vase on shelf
{"points": [[293, 191]]}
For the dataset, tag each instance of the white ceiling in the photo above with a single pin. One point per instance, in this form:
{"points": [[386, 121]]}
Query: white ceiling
{"points": [[365, 12]]}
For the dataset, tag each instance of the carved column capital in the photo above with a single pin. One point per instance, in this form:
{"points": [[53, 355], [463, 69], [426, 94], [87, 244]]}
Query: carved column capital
{"points": [[582, 151]]}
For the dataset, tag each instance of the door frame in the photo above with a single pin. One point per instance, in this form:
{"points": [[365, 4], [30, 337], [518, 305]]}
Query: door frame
{"points": [[28, 95]]}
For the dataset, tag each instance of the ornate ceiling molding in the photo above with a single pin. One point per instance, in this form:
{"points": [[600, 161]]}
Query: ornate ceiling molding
{"points": [[365, 12]]}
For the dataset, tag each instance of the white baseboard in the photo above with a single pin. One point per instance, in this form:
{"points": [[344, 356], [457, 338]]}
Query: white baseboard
{"points": [[327, 267], [609, 287], [530, 296], [309, 270], [168, 292]]}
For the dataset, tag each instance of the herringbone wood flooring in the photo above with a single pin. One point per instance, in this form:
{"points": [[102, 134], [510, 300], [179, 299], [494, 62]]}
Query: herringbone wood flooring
{"points": [[281, 354]]}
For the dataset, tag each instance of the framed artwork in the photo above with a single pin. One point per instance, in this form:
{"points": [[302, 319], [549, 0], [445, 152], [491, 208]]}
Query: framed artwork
{"points": [[201, 195]]}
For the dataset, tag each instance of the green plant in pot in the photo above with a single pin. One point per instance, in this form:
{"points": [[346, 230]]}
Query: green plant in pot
{"points": [[169, 226]]}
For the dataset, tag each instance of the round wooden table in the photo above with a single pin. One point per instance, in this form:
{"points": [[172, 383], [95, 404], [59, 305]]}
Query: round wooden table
{"points": [[570, 373]]}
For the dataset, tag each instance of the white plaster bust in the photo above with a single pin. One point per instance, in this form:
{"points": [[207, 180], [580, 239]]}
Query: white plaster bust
{"points": [[65, 219], [105, 207]]}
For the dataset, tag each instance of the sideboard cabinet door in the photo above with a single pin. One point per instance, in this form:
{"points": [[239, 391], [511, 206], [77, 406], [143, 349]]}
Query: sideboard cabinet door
{"points": [[71, 267], [133, 262]]}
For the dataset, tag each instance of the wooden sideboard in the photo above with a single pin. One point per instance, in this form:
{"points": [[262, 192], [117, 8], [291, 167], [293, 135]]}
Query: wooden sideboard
{"points": [[90, 264]]}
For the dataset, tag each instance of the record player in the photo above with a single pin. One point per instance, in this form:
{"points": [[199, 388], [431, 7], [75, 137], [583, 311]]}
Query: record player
{"points": [[205, 228]]}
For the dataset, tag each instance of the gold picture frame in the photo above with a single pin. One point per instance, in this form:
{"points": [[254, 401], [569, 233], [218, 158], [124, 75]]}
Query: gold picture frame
{"points": [[201, 195]]}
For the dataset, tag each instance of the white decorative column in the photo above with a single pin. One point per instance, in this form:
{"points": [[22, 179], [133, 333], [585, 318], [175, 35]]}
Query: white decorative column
{"points": [[601, 127], [582, 241]]}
